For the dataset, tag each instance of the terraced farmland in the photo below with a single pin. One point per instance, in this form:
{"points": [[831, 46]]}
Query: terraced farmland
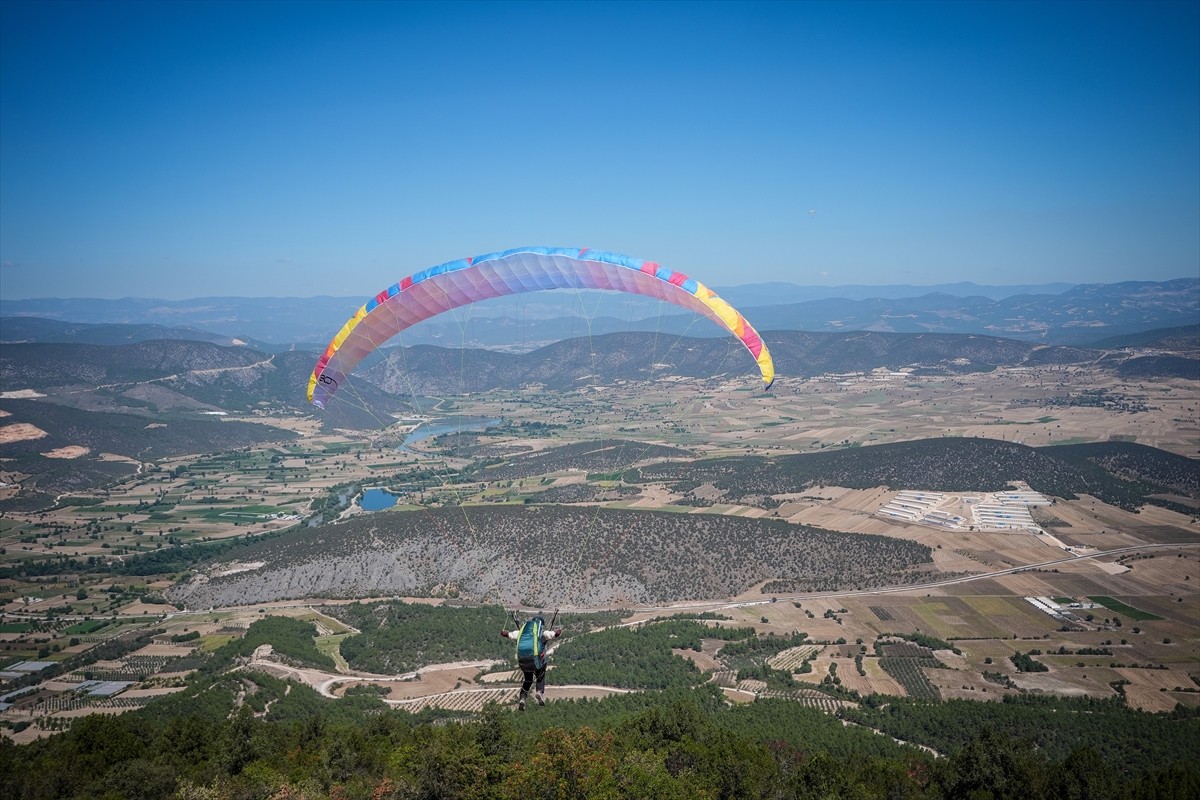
{"points": [[792, 658]]}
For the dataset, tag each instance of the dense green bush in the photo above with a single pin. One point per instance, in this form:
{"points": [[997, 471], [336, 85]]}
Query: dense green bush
{"points": [[291, 638], [679, 744]]}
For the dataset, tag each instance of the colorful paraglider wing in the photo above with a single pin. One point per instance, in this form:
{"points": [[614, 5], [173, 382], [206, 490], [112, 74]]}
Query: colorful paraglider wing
{"points": [[457, 283]]}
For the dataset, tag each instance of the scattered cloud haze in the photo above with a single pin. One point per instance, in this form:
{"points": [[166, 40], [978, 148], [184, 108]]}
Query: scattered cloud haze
{"points": [[175, 149]]}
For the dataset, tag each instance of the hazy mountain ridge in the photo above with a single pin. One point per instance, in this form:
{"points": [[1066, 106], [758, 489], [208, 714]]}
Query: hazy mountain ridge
{"points": [[426, 370], [1179, 339], [187, 375], [304, 319], [115, 392], [237, 378], [1074, 316], [763, 294], [38, 329]]}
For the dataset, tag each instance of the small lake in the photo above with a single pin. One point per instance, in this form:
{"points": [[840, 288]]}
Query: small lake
{"points": [[377, 500], [440, 427]]}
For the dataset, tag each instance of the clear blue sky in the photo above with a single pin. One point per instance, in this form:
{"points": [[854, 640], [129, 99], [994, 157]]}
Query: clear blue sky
{"points": [[179, 150]]}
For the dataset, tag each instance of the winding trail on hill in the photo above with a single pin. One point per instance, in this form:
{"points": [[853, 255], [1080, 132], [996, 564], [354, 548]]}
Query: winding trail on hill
{"points": [[266, 362]]}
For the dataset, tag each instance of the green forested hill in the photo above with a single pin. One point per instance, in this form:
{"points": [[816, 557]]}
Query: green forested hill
{"points": [[1054, 726], [1164, 366], [600, 456], [1123, 474], [1156, 470], [135, 437]]}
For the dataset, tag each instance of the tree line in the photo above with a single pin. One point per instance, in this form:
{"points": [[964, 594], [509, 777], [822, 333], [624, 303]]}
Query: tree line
{"points": [[684, 744]]}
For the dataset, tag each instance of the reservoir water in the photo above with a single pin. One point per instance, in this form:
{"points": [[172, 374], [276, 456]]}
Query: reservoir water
{"points": [[440, 427], [377, 500]]}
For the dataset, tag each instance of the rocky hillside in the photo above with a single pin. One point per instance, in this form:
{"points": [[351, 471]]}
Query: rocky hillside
{"points": [[553, 555]]}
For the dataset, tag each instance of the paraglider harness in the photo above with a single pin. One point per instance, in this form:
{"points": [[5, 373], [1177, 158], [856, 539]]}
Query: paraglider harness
{"points": [[531, 648]]}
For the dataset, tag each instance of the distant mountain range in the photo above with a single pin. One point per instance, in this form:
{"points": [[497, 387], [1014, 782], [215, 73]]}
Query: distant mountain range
{"points": [[1053, 314], [186, 375], [1078, 316], [766, 294], [189, 377], [42, 330]]}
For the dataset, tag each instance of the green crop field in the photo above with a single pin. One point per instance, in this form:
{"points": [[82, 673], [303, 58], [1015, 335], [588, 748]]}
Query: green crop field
{"points": [[1120, 608]]}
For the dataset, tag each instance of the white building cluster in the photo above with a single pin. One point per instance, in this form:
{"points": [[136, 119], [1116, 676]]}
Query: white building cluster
{"points": [[921, 507], [1007, 510], [1048, 606]]}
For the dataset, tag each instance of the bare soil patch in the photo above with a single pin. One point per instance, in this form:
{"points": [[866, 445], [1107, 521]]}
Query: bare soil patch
{"points": [[430, 682], [170, 650], [116, 457], [703, 661], [71, 451], [20, 432]]}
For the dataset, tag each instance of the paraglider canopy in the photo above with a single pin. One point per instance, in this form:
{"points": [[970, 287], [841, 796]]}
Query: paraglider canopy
{"points": [[457, 283]]}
